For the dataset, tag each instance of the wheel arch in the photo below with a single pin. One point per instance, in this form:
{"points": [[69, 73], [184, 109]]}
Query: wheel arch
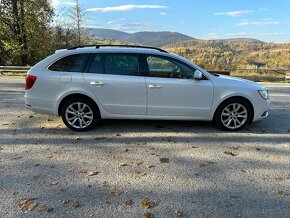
{"points": [[76, 95], [241, 98]]}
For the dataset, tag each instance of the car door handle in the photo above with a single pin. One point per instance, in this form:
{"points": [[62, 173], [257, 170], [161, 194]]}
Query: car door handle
{"points": [[155, 86], [97, 84]]}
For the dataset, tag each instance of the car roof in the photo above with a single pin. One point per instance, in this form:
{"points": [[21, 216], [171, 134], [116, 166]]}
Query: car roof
{"points": [[112, 50], [149, 51]]}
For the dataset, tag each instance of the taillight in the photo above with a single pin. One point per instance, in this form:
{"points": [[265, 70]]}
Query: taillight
{"points": [[30, 80]]}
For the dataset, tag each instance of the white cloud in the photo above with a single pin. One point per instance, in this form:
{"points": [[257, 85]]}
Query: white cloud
{"points": [[132, 27], [54, 3], [163, 13], [126, 8], [212, 34], [68, 3], [259, 23], [236, 34], [234, 13]]}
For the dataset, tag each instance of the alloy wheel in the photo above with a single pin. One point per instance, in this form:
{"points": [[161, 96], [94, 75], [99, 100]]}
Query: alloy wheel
{"points": [[79, 115], [234, 116]]}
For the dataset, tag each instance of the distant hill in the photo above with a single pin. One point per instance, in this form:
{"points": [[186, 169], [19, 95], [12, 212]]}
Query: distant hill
{"points": [[158, 39], [242, 40], [105, 33]]}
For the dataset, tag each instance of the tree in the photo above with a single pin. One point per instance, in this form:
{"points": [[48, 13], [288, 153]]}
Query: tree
{"points": [[64, 35], [77, 14], [24, 30], [67, 26]]}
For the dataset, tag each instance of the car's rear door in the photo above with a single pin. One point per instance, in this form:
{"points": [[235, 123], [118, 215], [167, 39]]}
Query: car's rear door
{"points": [[115, 81], [172, 91]]}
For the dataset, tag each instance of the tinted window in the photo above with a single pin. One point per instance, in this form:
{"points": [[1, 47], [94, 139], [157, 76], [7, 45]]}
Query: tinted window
{"points": [[122, 64], [168, 68], [96, 64], [72, 63]]}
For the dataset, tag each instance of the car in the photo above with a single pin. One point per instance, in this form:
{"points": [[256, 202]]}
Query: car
{"points": [[85, 84]]}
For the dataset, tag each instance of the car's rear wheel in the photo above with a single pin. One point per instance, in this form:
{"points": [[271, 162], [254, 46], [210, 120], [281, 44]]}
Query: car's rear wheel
{"points": [[233, 114], [80, 114]]}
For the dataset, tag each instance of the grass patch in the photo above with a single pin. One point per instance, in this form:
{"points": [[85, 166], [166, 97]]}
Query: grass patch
{"points": [[260, 77], [22, 73]]}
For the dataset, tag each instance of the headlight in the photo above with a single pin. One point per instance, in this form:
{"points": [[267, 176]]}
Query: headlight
{"points": [[264, 94]]}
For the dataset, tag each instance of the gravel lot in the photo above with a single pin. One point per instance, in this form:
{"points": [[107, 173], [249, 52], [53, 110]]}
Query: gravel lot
{"points": [[188, 169]]}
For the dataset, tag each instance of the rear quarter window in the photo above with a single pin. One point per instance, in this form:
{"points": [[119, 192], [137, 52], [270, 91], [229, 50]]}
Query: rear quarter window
{"points": [[71, 63]]}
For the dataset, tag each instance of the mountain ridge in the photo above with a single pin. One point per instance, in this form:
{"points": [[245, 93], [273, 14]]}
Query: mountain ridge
{"points": [[152, 38]]}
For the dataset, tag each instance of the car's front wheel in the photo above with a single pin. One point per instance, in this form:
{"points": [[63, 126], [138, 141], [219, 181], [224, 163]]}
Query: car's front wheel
{"points": [[233, 114], [80, 114]]}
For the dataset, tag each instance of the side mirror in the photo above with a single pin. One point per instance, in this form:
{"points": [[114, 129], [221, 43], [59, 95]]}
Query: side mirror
{"points": [[198, 75]]}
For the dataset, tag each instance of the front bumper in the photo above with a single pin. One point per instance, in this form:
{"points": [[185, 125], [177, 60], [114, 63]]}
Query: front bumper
{"points": [[261, 109]]}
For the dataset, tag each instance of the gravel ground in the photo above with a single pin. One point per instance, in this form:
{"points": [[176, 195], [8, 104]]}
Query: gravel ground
{"points": [[188, 169]]}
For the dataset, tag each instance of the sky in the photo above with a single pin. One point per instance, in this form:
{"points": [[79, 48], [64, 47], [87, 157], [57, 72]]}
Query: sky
{"points": [[267, 20]]}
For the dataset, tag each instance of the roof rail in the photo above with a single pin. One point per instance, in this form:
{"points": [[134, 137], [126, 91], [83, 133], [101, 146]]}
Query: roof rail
{"points": [[124, 46]]}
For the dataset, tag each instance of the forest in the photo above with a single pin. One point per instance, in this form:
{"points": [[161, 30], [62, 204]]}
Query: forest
{"points": [[221, 55], [30, 30]]}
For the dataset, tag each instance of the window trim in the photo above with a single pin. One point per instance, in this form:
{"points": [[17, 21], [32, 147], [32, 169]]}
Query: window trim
{"points": [[67, 55], [146, 67], [170, 59]]}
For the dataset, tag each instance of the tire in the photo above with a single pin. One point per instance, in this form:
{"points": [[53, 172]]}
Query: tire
{"points": [[80, 114], [233, 114]]}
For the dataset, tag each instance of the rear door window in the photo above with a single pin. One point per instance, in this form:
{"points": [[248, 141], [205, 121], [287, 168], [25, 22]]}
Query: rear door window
{"points": [[121, 64], [71, 63]]}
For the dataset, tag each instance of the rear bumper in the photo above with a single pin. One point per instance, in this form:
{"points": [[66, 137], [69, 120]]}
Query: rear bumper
{"points": [[40, 105]]}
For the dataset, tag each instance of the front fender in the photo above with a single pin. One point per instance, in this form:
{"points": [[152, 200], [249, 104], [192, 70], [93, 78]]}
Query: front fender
{"points": [[221, 96]]}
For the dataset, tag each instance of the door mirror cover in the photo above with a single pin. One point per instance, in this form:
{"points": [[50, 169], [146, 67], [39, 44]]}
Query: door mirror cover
{"points": [[198, 75]]}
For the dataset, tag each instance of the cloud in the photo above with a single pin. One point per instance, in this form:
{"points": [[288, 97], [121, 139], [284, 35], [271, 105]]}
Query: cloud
{"points": [[234, 13], [128, 27], [163, 13], [212, 34], [54, 3], [259, 23], [68, 3], [236, 34], [126, 8], [116, 21]]}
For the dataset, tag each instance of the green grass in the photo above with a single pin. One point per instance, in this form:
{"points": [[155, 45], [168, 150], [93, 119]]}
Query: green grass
{"points": [[23, 73]]}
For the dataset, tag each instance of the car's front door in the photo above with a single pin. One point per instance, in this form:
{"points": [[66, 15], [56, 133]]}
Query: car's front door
{"points": [[172, 91], [115, 81]]}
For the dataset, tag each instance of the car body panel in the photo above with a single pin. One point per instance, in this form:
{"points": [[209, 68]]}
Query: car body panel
{"points": [[179, 97], [119, 94], [129, 97]]}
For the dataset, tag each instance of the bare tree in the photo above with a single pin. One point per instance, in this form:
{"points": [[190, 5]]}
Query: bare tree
{"points": [[64, 32], [77, 15]]}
